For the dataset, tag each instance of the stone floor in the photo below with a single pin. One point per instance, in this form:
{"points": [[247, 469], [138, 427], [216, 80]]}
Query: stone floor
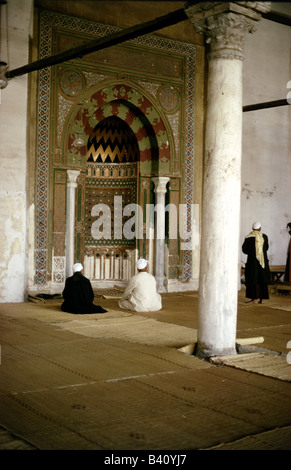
{"points": [[124, 381]]}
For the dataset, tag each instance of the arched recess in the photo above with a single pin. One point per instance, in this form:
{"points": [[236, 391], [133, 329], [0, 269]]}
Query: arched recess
{"points": [[155, 144], [137, 109], [111, 187]]}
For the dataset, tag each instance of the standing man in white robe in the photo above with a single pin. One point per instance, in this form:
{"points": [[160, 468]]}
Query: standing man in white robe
{"points": [[141, 293]]}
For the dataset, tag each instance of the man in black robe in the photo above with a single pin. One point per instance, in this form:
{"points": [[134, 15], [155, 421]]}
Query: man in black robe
{"points": [[78, 294], [257, 271]]}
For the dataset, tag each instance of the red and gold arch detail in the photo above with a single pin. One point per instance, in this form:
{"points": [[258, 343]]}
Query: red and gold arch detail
{"points": [[135, 110]]}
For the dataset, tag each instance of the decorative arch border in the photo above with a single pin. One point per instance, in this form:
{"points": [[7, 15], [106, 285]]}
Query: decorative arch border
{"points": [[154, 138]]}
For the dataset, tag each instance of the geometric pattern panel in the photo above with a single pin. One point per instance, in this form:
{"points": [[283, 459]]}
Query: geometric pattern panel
{"points": [[110, 219], [58, 269], [59, 228]]}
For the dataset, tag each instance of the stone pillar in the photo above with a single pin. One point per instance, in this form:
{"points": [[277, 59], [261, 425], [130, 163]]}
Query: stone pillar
{"points": [[72, 176], [225, 26], [160, 183]]}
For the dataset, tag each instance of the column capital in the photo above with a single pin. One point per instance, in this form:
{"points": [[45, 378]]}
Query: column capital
{"points": [[225, 25], [160, 183], [72, 176]]}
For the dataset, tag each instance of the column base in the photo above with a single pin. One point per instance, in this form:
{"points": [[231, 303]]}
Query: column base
{"points": [[160, 284], [175, 285], [203, 352]]}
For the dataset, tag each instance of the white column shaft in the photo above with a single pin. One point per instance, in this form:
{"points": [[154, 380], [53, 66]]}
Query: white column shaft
{"points": [[221, 209], [72, 176], [225, 25], [160, 190]]}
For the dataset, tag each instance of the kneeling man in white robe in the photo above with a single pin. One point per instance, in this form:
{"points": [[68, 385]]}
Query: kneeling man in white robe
{"points": [[141, 293]]}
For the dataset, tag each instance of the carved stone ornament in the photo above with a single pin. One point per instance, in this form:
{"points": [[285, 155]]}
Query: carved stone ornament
{"points": [[226, 35], [225, 25]]}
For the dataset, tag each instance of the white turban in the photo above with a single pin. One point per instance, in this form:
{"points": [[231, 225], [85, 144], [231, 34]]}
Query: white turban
{"points": [[141, 263], [256, 225], [77, 267]]}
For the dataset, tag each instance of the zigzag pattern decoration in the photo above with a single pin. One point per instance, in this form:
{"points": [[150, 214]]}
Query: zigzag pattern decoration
{"points": [[112, 141]]}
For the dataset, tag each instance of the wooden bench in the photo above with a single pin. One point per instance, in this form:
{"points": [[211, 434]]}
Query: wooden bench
{"points": [[276, 273], [280, 288]]}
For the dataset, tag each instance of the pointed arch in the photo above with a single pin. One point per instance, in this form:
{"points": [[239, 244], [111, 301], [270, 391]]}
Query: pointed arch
{"points": [[129, 104]]}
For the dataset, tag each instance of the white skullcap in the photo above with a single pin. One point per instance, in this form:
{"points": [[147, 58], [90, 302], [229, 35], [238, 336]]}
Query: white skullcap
{"points": [[256, 225], [77, 267], [141, 263]]}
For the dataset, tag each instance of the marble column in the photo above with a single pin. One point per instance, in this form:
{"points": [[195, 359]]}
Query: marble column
{"points": [[72, 176], [160, 189], [225, 26]]}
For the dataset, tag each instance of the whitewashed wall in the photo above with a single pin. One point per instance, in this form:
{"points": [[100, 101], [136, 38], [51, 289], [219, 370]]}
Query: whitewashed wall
{"points": [[13, 158], [266, 150]]}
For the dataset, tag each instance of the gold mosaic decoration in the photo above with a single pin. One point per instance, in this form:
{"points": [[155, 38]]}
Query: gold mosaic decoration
{"points": [[112, 141]]}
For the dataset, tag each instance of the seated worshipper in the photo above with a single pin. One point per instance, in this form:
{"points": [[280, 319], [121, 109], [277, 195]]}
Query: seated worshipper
{"points": [[78, 294], [257, 272], [141, 293]]}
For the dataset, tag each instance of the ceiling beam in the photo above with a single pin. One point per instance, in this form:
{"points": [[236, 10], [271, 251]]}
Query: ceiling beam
{"points": [[268, 104], [277, 18], [102, 43]]}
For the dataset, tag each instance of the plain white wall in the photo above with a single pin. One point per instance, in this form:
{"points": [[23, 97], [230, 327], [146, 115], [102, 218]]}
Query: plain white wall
{"points": [[266, 148], [13, 155]]}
